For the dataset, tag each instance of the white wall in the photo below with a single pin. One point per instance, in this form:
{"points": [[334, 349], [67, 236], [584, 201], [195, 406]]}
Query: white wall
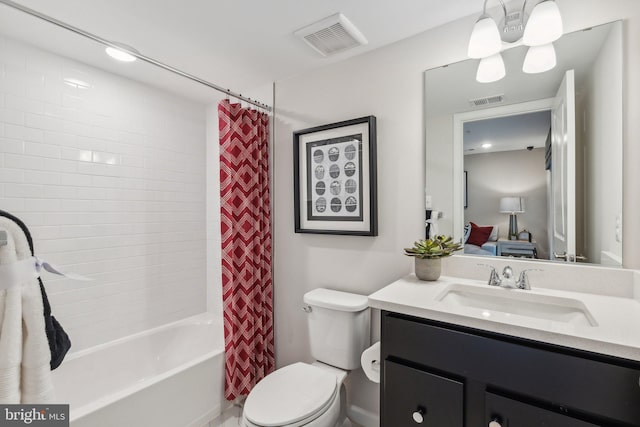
{"points": [[603, 146], [111, 181], [491, 176], [388, 83]]}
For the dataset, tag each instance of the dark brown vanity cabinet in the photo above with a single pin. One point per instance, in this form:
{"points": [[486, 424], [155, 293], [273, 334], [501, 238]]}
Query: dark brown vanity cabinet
{"points": [[441, 375]]}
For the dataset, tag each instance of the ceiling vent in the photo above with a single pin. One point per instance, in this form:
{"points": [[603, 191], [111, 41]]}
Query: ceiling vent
{"points": [[487, 100], [332, 35]]}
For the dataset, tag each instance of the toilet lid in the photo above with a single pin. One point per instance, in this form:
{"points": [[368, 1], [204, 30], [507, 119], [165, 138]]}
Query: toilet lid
{"points": [[290, 394]]}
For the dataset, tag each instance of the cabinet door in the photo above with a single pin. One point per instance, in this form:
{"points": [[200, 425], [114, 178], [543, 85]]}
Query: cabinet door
{"points": [[413, 397], [512, 413]]}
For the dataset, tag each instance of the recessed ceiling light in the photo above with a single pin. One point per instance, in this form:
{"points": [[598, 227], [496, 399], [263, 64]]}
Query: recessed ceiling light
{"points": [[486, 145], [121, 54]]}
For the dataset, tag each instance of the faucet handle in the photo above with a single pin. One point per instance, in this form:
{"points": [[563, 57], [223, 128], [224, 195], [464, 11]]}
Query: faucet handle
{"points": [[494, 279], [507, 272], [523, 279]]}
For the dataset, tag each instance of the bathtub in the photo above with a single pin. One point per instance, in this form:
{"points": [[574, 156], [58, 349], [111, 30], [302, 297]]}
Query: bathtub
{"points": [[170, 376]]}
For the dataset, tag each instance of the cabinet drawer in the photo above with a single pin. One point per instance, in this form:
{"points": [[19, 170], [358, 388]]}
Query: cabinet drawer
{"points": [[588, 386], [407, 390], [512, 413]]}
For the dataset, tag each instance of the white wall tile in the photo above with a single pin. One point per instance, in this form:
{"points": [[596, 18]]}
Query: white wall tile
{"points": [[11, 175], [20, 103], [42, 150], [110, 180], [23, 162], [23, 191], [11, 146], [21, 132], [15, 117]]}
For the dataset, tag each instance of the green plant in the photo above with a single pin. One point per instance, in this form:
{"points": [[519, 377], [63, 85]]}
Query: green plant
{"points": [[438, 247]]}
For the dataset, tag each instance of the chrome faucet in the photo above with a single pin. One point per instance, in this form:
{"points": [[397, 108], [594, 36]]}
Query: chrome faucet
{"points": [[523, 279], [506, 280]]}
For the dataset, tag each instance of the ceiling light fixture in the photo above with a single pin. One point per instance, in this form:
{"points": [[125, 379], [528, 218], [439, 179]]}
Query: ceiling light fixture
{"points": [[537, 31], [491, 69], [539, 59], [122, 52], [486, 145]]}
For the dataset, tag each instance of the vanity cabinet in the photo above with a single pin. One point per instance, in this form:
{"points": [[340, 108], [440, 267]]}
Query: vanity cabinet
{"points": [[418, 397], [452, 376]]}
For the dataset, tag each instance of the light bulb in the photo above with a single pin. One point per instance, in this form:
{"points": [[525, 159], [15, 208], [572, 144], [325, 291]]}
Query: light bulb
{"points": [[485, 38], [539, 59], [544, 25], [491, 69]]}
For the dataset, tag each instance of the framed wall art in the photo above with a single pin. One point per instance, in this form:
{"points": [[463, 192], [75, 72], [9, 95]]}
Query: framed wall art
{"points": [[335, 178]]}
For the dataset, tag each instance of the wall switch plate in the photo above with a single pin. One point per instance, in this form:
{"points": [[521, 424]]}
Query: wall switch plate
{"points": [[618, 228]]}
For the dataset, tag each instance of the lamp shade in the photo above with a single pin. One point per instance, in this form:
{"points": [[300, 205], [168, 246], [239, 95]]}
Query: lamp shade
{"points": [[544, 25], [511, 205], [539, 59], [485, 38], [491, 69]]}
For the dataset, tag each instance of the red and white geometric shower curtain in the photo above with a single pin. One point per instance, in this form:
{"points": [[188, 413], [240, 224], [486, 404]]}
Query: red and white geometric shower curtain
{"points": [[246, 247]]}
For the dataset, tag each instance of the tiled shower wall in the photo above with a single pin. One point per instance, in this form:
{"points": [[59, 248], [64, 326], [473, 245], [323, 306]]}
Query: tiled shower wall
{"points": [[110, 178]]}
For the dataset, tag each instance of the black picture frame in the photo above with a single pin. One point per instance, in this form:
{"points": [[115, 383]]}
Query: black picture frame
{"points": [[335, 178]]}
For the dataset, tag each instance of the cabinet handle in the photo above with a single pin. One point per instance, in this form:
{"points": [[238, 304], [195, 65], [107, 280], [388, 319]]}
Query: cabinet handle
{"points": [[418, 416], [496, 422]]}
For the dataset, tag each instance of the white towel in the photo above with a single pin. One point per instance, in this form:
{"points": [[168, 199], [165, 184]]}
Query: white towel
{"points": [[25, 373]]}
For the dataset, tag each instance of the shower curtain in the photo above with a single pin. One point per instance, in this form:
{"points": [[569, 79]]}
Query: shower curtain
{"points": [[246, 247]]}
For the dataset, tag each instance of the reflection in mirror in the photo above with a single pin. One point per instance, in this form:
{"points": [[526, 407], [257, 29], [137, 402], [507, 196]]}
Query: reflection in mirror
{"points": [[535, 159]]}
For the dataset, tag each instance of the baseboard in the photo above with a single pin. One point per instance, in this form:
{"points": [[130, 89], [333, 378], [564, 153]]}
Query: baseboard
{"points": [[362, 416], [204, 419]]}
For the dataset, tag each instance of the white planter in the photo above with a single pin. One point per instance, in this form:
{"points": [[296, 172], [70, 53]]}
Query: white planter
{"points": [[428, 268]]}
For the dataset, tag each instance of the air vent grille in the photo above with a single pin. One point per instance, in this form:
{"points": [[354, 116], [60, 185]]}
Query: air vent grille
{"points": [[332, 35], [487, 100]]}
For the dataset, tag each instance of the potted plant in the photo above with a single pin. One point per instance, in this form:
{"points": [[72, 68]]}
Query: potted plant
{"points": [[429, 253]]}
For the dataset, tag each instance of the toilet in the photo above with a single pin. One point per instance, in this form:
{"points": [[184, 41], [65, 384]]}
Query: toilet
{"points": [[313, 395]]}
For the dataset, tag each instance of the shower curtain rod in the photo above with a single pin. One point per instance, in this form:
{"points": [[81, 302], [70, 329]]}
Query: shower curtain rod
{"points": [[135, 53]]}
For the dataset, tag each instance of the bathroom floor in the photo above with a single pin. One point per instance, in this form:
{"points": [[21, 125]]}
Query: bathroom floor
{"points": [[231, 418]]}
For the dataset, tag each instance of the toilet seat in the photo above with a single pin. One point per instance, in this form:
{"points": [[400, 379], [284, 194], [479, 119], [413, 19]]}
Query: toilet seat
{"points": [[292, 396]]}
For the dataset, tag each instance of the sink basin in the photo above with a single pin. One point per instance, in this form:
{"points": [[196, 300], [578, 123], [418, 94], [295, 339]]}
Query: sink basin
{"points": [[504, 303]]}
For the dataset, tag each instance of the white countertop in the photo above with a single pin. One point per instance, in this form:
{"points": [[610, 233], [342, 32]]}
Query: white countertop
{"points": [[617, 332]]}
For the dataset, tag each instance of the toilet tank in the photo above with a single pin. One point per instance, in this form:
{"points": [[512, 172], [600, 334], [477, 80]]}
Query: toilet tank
{"points": [[338, 326]]}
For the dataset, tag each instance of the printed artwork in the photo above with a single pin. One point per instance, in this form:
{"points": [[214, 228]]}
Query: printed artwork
{"points": [[334, 178], [334, 169]]}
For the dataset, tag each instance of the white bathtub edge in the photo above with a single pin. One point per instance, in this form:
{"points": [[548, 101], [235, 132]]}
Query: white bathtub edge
{"points": [[77, 413], [203, 317]]}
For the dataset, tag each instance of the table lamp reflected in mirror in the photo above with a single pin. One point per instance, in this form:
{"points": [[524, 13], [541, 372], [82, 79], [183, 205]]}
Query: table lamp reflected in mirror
{"points": [[512, 206]]}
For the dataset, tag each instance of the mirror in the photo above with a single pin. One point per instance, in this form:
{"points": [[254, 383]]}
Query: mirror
{"points": [[534, 161]]}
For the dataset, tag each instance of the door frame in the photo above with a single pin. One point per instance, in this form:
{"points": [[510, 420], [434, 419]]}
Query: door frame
{"points": [[459, 120]]}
